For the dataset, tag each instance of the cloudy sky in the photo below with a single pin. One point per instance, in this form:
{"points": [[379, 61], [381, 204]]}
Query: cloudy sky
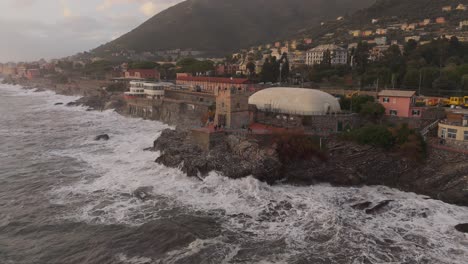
{"points": [[34, 29]]}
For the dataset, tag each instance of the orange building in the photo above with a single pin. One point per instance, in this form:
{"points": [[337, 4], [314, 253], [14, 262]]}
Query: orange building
{"points": [[213, 84]]}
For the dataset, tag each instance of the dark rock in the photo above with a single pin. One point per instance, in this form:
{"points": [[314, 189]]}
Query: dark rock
{"points": [[143, 193], [379, 208], [361, 206], [462, 228], [72, 104], [58, 104], [102, 137]]}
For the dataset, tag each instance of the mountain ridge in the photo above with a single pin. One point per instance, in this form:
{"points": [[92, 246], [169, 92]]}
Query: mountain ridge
{"points": [[225, 26]]}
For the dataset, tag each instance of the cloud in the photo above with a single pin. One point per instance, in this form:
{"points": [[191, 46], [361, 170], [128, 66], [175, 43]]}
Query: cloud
{"points": [[148, 9]]}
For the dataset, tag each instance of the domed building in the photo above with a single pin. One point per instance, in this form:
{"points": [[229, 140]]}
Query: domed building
{"points": [[295, 101], [308, 110]]}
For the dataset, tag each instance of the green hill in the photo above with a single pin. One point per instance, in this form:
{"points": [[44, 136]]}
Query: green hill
{"points": [[221, 26]]}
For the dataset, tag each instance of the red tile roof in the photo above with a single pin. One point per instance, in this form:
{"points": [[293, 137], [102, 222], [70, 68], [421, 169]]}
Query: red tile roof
{"points": [[214, 79]]}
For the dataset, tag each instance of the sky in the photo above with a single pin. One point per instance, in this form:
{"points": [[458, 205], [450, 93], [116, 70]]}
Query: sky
{"points": [[35, 29]]}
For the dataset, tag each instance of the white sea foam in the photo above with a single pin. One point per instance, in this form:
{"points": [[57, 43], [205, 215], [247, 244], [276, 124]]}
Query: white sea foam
{"points": [[314, 218]]}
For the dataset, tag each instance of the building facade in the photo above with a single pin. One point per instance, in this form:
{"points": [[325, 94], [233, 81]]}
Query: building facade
{"points": [[152, 74], [400, 103], [212, 84], [316, 55], [454, 130]]}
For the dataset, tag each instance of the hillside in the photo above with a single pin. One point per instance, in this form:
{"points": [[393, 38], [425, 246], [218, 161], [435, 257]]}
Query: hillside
{"points": [[414, 9], [222, 26]]}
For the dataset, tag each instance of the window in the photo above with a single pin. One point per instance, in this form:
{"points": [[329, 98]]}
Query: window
{"points": [[238, 105], [393, 112], [416, 112], [465, 136], [443, 133], [386, 100], [452, 133]]}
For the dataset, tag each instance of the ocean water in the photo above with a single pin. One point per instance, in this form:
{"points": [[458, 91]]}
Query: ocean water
{"points": [[65, 198]]}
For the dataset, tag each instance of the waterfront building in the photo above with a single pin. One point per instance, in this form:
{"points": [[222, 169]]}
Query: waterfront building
{"points": [[33, 73], [454, 129], [212, 84], [152, 74], [155, 91], [232, 108], [400, 103], [137, 90], [298, 109], [338, 54]]}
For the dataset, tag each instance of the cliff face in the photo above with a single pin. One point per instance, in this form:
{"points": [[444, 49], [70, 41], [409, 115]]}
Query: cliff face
{"points": [[442, 176]]}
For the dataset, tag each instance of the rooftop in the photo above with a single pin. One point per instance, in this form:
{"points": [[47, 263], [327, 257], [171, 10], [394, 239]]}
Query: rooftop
{"points": [[397, 93]]}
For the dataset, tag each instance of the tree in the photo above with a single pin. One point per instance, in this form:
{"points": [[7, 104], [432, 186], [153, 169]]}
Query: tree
{"points": [[143, 65], [327, 58], [251, 68], [372, 110], [361, 57]]}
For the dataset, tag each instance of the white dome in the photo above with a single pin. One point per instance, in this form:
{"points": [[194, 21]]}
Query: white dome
{"points": [[297, 101]]}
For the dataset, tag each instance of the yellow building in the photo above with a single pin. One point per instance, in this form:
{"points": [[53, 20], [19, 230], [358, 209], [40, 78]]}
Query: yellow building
{"points": [[454, 129]]}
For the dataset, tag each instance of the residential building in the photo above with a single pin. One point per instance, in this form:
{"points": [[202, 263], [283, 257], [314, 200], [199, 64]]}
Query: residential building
{"points": [[374, 21], [381, 41], [400, 103], [367, 33], [33, 73], [21, 71], [454, 129], [227, 69], [355, 33], [415, 38], [152, 74], [425, 22], [461, 7], [378, 52], [440, 20], [381, 31], [447, 8], [277, 44], [308, 41], [463, 24], [338, 54], [212, 84]]}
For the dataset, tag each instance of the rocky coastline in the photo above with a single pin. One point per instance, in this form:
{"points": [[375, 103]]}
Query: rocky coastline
{"points": [[92, 94], [443, 175]]}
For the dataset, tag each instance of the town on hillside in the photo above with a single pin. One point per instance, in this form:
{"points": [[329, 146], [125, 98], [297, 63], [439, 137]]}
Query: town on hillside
{"points": [[371, 84]]}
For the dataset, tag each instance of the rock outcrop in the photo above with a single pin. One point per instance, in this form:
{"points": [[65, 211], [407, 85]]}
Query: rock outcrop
{"points": [[102, 137], [443, 175], [235, 158]]}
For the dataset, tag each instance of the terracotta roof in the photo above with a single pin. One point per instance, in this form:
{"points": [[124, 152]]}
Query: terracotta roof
{"points": [[214, 79], [397, 93], [147, 71]]}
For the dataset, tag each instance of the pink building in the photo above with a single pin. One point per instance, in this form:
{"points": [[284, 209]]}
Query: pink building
{"points": [[400, 103], [142, 74], [213, 84], [440, 20], [33, 74]]}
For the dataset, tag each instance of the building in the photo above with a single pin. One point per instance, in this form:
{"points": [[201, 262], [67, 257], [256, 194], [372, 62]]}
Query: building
{"points": [[454, 129], [355, 33], [152, 74], [33, 73], [227, 69], [400, 103], [425, 22], [381, 41], [232, 108], [463, 24], [212, 84], [137, 90], [415, 38], [156, 91], [381, 31], [308, 41], [367, 33], [461, 7], [298, 109], [377, 52], [447, 8], [338, 54], [440, 20]]}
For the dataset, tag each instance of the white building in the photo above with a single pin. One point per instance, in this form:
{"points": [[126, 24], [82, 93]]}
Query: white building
{"points": [[338, 54], [156, 90]]}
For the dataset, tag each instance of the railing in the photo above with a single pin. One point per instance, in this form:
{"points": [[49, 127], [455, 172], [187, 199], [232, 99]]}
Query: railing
{"points": [[428, 128]]}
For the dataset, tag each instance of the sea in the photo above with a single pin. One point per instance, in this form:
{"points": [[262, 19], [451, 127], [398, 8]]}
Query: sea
{"points": [[66, 198]]}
